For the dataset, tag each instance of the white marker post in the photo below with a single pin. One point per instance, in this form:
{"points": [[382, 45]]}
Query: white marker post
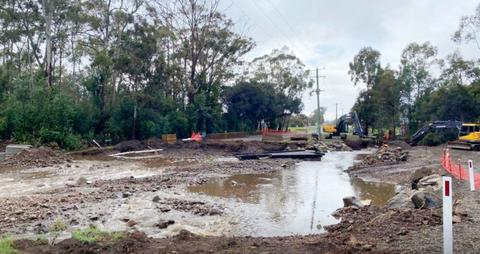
{"points": [[471, 176], [447, 215]]}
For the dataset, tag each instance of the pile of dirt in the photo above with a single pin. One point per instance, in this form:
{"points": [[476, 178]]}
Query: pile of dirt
{"points": [[35, 157], [399, 143], [382, 224], [385, 155], [136, 145]]}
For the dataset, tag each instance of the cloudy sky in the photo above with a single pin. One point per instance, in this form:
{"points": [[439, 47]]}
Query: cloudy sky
{"points": [[328, 34]]}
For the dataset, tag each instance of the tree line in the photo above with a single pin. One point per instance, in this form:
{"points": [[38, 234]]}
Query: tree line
{"points": [[423, 88], [73, 70]]}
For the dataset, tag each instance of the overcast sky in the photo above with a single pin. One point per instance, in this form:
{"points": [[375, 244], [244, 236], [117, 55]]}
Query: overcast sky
{"points": [[329, 33]]}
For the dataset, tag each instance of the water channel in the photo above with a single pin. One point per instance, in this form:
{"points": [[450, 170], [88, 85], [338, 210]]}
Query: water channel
{"points": [[295, 201]]}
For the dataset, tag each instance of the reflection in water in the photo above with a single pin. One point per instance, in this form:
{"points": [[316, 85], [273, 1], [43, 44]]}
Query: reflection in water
{"points": [[296, 201], [379, 193]]}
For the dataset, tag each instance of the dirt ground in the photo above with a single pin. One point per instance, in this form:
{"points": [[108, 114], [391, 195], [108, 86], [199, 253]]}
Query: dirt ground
{"points": [[79, 186]]}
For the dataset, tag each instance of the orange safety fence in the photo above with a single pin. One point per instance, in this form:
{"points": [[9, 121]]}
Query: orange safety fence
{"points": [[456, 170]]}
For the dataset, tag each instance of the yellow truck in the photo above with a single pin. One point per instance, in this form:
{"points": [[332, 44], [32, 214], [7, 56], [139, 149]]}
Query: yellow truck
{"points": [[468, 138]]}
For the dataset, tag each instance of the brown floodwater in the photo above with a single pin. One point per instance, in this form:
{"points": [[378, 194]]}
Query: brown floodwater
{"points": [[295, 201]]}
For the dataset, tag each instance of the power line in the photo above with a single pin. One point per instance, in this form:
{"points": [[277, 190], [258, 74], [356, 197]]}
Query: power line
{"points": [[245, 14], [282, 33], [284, 19]]}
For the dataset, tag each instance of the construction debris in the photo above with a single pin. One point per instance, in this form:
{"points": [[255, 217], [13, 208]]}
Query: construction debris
{"points": [[330, 145], [385, 155]]}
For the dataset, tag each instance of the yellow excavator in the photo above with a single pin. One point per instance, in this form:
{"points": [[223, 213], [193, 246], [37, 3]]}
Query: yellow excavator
{"points": [[468, 138]]}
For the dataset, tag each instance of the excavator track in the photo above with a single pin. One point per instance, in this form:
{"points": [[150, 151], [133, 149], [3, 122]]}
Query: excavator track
{"points": [[464, 145]]}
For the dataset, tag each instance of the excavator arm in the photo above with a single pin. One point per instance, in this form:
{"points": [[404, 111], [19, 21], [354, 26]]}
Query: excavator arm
{"points": [[430, 127]]}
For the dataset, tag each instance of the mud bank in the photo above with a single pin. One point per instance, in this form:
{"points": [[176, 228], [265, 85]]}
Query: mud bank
{"points": [[173, 200]]}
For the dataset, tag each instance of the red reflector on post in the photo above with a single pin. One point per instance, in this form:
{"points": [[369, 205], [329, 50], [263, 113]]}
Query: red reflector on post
{"points": [[447, 188]]}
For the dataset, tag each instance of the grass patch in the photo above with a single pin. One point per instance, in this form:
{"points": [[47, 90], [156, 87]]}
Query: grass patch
{"points": [[6, 245], [93, 235]]}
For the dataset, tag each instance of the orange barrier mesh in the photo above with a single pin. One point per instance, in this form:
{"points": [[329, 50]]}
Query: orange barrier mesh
{"points": [[456, 169]]}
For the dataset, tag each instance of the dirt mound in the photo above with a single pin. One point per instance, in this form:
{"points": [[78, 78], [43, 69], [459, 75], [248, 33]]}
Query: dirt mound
{"points": [[385, 155], [130, 145], [35, 157], [226, 146], [248, 146], [382, 223], [399, 143]]}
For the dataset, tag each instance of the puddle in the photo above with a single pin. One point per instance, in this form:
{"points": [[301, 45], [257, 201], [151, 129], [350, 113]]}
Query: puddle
{"points": [[296, 201], [32, 180]]}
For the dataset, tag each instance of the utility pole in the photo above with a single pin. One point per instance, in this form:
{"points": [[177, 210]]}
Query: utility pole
{"points": [[318, 107]]}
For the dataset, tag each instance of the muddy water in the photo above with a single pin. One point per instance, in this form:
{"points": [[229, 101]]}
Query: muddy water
{"points": [[296, 201]]}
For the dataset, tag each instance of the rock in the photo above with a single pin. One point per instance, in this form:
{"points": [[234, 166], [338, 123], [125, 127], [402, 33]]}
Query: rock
{"points": [[419, 174], [164, 224], [352, 201], [426, 200], [456, 219], [131, 223], [156, 199], [126, 194], [81, 181], [233, 183], [185, 235], [165, 209], [431, 180], [93, 217], [367, 247], [366, 202], [401, 200], [460, 212]]}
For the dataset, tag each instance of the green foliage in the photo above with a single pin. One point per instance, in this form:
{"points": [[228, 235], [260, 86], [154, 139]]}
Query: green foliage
{"points": [[250, 103], [413, 92], [365, 66], [93, 235], [34, 112], [7, 246], [136, 75], [438, 138]]}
